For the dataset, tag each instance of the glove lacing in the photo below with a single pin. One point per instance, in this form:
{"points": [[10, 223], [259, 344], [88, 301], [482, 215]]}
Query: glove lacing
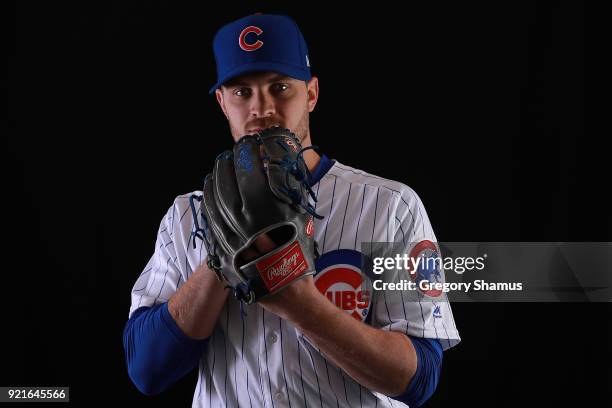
{"points": [[242, 291], [212, 259], [292, 166]]}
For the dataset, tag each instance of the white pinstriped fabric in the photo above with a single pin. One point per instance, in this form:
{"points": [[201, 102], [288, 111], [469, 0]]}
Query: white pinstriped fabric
{"points": [[262, 361]]}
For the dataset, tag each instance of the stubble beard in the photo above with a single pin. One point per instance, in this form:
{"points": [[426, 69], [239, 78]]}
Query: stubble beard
{"points": [[301, 130]]}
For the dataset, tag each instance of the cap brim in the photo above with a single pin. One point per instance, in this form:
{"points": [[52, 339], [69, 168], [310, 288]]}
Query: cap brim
{"points": [[293, 72]]}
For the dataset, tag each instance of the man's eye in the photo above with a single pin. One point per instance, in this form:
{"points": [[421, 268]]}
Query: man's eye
{"points": [[242, 92], [280, 87]]}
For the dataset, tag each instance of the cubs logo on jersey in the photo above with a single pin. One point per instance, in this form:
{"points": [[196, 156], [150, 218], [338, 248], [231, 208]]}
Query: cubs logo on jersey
{"points": [[427, 269], [340, 277]]}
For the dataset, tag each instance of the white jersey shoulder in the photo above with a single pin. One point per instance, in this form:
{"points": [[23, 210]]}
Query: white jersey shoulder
{"points": [[390, 204]]}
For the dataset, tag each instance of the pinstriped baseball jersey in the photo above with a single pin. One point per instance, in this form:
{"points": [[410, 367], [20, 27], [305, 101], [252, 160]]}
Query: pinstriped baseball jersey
{"points": [[259, 360]]}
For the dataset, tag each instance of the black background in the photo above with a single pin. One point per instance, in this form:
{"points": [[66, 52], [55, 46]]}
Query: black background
{"points": [[479, 108]]}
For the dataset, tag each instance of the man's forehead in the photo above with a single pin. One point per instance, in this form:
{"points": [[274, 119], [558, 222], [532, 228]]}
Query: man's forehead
{"points": [[257, 78]]}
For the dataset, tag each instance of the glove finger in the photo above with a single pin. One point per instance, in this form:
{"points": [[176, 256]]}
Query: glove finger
{"points": [[218, 231], [285, 171], [224, 241], [256, 197], [280, 142], [227, 194]]}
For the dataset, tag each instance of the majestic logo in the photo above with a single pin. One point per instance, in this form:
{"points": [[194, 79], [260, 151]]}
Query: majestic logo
{"points": [[428, 268], [250, 46], [340, 279], [283, 267], [310, 227]]}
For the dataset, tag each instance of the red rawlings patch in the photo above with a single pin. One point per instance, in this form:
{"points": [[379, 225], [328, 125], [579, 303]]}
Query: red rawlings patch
{"points": [[282, 267]]}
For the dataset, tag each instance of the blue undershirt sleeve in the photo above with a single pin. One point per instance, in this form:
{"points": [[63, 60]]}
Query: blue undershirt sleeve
{"points": [[157, 352], [425, 380]]}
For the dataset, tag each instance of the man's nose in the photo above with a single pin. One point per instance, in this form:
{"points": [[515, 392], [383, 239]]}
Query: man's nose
{"points": [[263, 105]]}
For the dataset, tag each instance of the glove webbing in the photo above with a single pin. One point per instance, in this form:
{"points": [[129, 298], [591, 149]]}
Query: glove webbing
{"points": [[292, 167]]}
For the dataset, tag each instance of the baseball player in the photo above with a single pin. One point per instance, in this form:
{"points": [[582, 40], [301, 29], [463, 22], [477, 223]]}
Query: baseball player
{"points": [[327, 340]]}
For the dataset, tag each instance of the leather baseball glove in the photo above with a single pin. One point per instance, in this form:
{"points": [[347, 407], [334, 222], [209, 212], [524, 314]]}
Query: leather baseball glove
{"points": [[259, 189]]}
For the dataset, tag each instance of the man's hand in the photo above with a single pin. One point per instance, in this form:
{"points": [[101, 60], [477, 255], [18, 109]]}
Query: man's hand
{"points": [[287, 303], [293, 301]]}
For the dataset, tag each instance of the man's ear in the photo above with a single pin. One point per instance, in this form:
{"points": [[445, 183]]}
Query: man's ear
{"points": [[312, 89], [219, 96]]}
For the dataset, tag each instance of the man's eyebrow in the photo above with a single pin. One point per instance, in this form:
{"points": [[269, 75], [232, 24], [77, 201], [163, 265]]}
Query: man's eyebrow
{"points": [[239, 82], [278, 78]]}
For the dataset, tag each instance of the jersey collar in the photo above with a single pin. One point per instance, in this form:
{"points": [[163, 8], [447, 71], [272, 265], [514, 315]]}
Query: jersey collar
{"points": [[322, 168]]}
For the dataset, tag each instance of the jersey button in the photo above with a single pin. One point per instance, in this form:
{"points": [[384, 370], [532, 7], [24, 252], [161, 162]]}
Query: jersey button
{"points": [[273, 339], [279, 396]]}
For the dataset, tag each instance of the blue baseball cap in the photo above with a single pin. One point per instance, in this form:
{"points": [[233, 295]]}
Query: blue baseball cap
{"points": [[260, 42]]}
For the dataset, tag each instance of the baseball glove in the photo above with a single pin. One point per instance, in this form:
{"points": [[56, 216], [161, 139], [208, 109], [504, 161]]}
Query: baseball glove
{"points": [[260, 187]]}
